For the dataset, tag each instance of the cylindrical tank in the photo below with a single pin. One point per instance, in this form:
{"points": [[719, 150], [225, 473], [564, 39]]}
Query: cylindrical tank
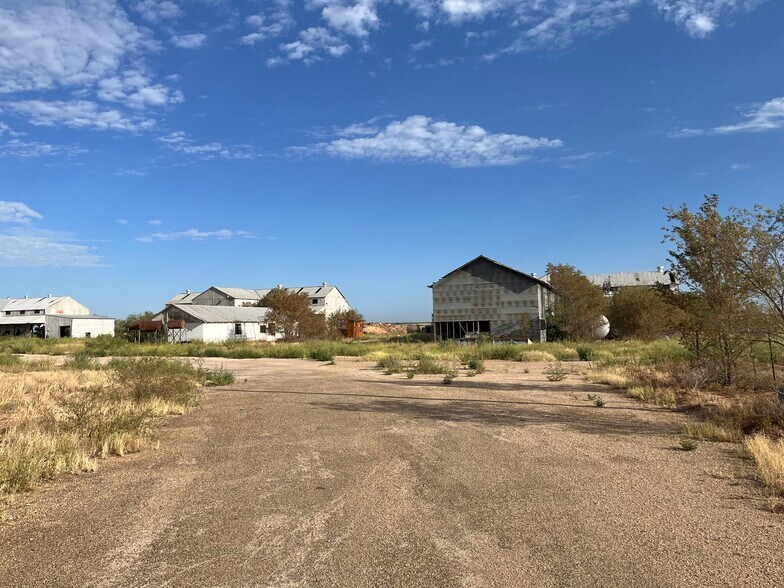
{"points": [[601, 331]]}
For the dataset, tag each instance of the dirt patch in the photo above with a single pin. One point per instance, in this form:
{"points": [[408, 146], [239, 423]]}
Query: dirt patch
{"points": [[308, 474]]}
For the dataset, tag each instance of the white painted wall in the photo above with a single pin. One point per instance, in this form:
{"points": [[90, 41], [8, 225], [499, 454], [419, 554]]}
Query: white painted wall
{"points": [[220, 332], [79, 326], [332, 303], [67, 306]]}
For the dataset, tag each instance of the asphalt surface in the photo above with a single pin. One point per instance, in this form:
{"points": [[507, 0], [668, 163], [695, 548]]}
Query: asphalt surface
{"points": [[307, 474]]}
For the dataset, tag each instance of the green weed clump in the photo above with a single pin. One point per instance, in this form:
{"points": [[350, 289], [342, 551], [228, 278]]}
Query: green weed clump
{"points": [[390, 365], [476, 365], [218, 377], [688, 444], [557, 373]]}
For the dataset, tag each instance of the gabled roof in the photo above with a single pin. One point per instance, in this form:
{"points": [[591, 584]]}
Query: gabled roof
{"points": [[499, 264], [223, 314], [258, 294], [16, 304], [184, 298]]}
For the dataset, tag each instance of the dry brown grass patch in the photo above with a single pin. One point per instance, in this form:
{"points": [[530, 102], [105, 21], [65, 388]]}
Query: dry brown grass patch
{"points": [[768, 455]]}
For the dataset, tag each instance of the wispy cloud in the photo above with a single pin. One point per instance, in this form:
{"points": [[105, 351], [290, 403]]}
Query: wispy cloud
{"points": [[180, 142], [312, 45], [157, 10], [767, 116], [423, 139], [192, 41], [22, 245], [740, 166], [276, 21], [155, 222], [17, 212], [79, 114], [196, 235]]}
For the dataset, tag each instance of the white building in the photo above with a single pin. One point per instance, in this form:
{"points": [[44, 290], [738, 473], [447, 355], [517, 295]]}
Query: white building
{"points": [[51, 317], [612, 283], [216, 324], [324, 299]]}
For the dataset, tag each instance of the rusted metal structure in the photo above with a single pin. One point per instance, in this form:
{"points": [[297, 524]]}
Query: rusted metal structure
{"points": [[350, 328]]}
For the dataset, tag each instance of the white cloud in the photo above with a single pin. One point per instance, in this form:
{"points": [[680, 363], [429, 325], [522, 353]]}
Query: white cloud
{"points": [[50, 43], [740, 166], [155, 222], [275, 22], [356, 18], [17, 212], [23, 246], [78, 114], [180, 142], [767, 116], [192, 41], [763, 117], [422, 139], [28, 149], [531, 24], [700, 17], [34, 251], [196, 235], [312, 43], [135, 89], [158, 10], [122, 221]]}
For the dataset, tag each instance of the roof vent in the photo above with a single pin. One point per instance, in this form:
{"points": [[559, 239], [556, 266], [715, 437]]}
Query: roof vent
{"points": [[26, 297], [323, 284], [660, 269], [280, 286], [533, 274], [187, 291]]}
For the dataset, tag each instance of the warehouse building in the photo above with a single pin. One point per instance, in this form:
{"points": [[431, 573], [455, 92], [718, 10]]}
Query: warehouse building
{"points": [[215, 324], [51, 317], [612, 283], [485, 297], [324, 299]]}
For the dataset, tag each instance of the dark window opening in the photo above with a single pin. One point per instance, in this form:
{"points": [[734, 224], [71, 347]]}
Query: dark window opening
{"points": [[314, 300], [22, 311], [238, 328]]}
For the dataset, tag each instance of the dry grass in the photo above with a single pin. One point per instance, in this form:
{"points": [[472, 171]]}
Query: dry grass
{"points": [[711, 431], [658, 396], [768, 454], [55, 421], [529, 355]]}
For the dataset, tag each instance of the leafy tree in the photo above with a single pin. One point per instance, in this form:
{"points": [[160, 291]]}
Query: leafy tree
{"points": [[291, 314], [578, 305], [705, 254], [333, 322], [641, 313], [760, 259]]}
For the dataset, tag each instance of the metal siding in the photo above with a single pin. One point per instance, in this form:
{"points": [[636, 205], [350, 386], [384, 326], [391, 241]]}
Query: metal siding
{"points": [[485, 291]]}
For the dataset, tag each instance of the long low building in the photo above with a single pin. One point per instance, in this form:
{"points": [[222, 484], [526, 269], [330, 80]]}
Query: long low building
{"points": [[216, 324], [51, 317], [324, 299]]}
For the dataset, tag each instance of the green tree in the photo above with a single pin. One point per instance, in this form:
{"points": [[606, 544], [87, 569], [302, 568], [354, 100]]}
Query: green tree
{"points": [[578, 305], [705, 253], [640, 313], [291, 314], [760, 259]]}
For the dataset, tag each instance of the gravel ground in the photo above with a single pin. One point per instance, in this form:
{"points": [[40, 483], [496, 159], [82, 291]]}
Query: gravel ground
{"points": [[307, 474]]}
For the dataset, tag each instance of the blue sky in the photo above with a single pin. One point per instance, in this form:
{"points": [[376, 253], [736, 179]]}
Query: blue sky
{"points": [[149, 147]]}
